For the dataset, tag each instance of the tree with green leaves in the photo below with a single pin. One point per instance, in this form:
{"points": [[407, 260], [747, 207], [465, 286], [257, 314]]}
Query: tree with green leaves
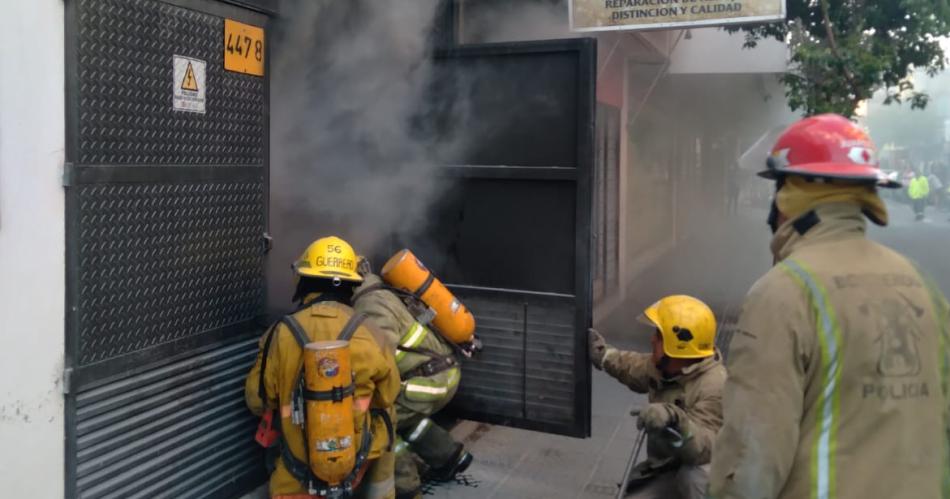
{"points": [[843, 51]]}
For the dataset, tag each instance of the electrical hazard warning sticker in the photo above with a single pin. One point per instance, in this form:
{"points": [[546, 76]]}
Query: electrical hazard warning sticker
{"points": [[189, 84]]}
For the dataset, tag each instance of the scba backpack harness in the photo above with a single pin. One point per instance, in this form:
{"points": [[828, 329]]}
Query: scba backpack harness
{"points": [[303, 470]]}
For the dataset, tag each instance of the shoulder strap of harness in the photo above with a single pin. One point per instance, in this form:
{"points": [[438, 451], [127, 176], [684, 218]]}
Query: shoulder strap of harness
{"points": [[299, 335], [337, 394], [261, 392], [430, 367], [294, 325], [351, 326]]}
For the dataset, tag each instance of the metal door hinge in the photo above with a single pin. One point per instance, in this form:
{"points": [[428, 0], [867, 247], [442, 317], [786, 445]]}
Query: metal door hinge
{"points": [[67, 380], [69, 174], [267, 242]]}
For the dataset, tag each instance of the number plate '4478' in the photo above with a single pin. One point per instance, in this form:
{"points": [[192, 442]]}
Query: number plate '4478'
{"points": [[243, 48]]}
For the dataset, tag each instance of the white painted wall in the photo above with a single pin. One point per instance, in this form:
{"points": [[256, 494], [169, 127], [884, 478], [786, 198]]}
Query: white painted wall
{"points": [[714, 51], [32, 248]]}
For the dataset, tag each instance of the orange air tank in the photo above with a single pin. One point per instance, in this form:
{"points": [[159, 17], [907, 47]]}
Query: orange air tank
{"points": [[330, 428], [452, 319]]}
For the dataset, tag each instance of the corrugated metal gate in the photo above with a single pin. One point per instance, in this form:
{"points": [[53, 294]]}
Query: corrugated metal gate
{"points": [[514, 236], [165, 216]]}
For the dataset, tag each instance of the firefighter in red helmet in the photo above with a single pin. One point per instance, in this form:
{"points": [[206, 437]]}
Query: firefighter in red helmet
{"points": [[838, 369]]}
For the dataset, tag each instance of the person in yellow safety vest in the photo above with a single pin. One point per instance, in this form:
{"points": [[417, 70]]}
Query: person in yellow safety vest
{"points": [[683, 377], [838, 368], [326, 277], [430, 371], [919, 191]]}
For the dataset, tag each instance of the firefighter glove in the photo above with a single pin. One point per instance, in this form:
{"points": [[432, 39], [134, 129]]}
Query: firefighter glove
{"points": [[363, 266], [656, 417], [598, 348]]}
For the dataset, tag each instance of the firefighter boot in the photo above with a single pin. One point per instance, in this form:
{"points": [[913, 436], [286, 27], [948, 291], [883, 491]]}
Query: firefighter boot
{"points": [[408, 483], [442, 454], [379, 480]]}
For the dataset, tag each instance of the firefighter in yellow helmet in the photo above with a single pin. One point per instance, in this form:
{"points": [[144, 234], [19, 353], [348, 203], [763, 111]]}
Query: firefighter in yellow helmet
{"points": [[838, 373], [279, 388], [683, 378]]}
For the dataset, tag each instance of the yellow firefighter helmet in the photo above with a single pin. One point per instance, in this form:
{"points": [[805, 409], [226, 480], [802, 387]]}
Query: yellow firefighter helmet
{"points": [[329, 258], [687, 326]]}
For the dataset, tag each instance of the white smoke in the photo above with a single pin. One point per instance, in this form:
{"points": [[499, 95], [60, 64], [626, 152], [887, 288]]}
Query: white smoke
{"points": [[349, 88]]}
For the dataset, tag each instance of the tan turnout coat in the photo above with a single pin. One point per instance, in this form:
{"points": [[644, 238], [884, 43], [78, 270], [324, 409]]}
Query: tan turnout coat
{"points": [[837, 374]]}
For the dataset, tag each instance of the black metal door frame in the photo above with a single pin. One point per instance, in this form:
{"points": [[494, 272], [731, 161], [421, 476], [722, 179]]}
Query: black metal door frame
{"points": [[580, 173]]}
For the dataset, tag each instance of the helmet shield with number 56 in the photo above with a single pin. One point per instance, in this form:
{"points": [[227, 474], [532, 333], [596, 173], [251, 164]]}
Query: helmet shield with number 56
{"points": [[329, 258]]}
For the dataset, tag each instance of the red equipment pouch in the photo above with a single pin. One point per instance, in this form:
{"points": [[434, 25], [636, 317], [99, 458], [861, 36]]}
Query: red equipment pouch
{"points": [[267, 434]]}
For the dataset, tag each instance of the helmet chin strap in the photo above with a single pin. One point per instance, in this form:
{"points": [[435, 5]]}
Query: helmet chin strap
{"points": [[663, 364], [773, 217], [773, 212]]}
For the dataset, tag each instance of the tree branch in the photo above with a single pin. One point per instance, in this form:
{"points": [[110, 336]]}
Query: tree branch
{"points": [[833, 44]]}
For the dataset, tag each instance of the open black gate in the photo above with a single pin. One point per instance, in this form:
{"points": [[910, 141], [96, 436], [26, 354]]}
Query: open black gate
{"points": [[166, 209], [513, 236]]}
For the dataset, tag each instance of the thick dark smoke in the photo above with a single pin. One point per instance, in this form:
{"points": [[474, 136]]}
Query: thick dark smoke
{"points": [[350, 88]]}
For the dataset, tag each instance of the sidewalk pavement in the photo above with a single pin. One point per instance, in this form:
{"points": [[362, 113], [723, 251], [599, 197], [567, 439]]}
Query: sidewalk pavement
{"points": [[511, 463]]}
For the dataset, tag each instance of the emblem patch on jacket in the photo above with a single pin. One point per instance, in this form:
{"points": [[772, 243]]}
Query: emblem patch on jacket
{"points": [[897, 338]]}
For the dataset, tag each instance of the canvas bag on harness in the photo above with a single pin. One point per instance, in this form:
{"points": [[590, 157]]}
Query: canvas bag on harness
{"points": [[310, 471]]}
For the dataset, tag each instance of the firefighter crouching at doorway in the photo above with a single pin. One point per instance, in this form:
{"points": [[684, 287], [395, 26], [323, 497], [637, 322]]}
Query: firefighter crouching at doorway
{"points": [[683, 377], [429, 366], [838, 373], [324, 383]]}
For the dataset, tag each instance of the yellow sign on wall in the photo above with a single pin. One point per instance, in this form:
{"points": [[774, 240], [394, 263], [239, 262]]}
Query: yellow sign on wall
{"points": [[603, 15], [243, 48]]}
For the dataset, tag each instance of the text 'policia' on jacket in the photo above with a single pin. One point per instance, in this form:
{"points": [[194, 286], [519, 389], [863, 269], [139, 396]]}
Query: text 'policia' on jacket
{"points": [[375, 380]]}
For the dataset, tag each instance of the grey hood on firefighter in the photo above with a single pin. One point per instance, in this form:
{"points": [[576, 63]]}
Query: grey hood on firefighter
{"points": [[694, 397], [837, 373]]}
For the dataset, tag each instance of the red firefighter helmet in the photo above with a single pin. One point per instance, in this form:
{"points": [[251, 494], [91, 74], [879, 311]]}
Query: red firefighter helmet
{"points": [[826, 146]]}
